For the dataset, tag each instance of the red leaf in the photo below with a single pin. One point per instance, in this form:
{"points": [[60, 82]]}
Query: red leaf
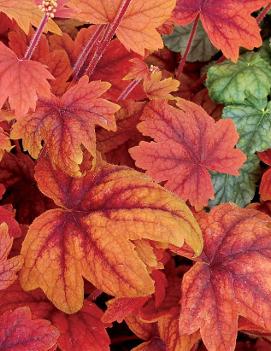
{"points": [[228, 23], [21, 81], [265, 186], [231, 278], [187, 144], [83, 330], [18, 332]]}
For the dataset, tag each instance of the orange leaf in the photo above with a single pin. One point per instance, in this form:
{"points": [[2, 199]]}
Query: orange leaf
{"points": [[168, 326], [138, 29], [18, 332], [66, 123], [83, 330], [228, 23], [5, 144], [8, 267], [187, 144], [231, 279], [157, 88], [92, 234], [25, 13], [21, 81]]}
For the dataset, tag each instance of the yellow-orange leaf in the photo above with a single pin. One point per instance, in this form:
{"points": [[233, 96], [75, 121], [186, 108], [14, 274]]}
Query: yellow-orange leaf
{"points": [[5, 144], [138, 28], [25, 13], [21, 81], [91, 235], [157, 88], [66, 123]]}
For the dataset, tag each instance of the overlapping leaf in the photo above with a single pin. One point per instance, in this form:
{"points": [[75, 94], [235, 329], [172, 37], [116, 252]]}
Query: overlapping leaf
{"points": [[228, 23], [201, 49], [241, 189], [138, 28], [253, 121], [232, 278], [231, 83], [92, 234], [66, 123], [8, 267], [21, 81], [25, 13], [187, 143], [18, 332]]}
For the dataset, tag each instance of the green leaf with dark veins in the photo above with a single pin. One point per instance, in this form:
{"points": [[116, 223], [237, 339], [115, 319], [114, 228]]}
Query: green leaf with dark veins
{"points": [[230, 83], [253, 122], [239, 190], [201, 49]]}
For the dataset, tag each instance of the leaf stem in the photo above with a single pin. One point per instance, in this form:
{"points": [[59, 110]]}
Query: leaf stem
{"points": [[107, 38], [127, 91], [36, 38], [262, 14], [93, 40], [188, 47]]}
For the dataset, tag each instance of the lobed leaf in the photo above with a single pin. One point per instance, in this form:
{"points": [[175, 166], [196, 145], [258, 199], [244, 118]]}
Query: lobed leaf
{"points": [[187, 143], [92, 235], [231, 279], [67, 123], [230, 83], [18, 332], [21, 81], [228, 23], [138, 28]]}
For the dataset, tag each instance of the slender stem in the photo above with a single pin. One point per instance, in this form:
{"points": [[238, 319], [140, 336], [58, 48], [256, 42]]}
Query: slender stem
{"points": [[262, 14], [108, 36], [36, 38], [127, 91], [188, 46], [86, 51]]}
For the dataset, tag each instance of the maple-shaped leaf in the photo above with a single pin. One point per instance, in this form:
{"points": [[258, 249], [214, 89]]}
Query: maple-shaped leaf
{"points": [[252, 119], [25, 13], [201, 50], [83, 330], [21, 81], [231, 278], [230, 83], [187, 143], [5, 144], [18, 332], [138, 28], [91, 235], [240, 189], [66, 123], [8, 267], [240, 29]]}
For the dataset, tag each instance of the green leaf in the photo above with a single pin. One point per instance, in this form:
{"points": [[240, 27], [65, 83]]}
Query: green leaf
{"points": [[201, 49], [253, 122], [239, 190], [231, 83]]}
